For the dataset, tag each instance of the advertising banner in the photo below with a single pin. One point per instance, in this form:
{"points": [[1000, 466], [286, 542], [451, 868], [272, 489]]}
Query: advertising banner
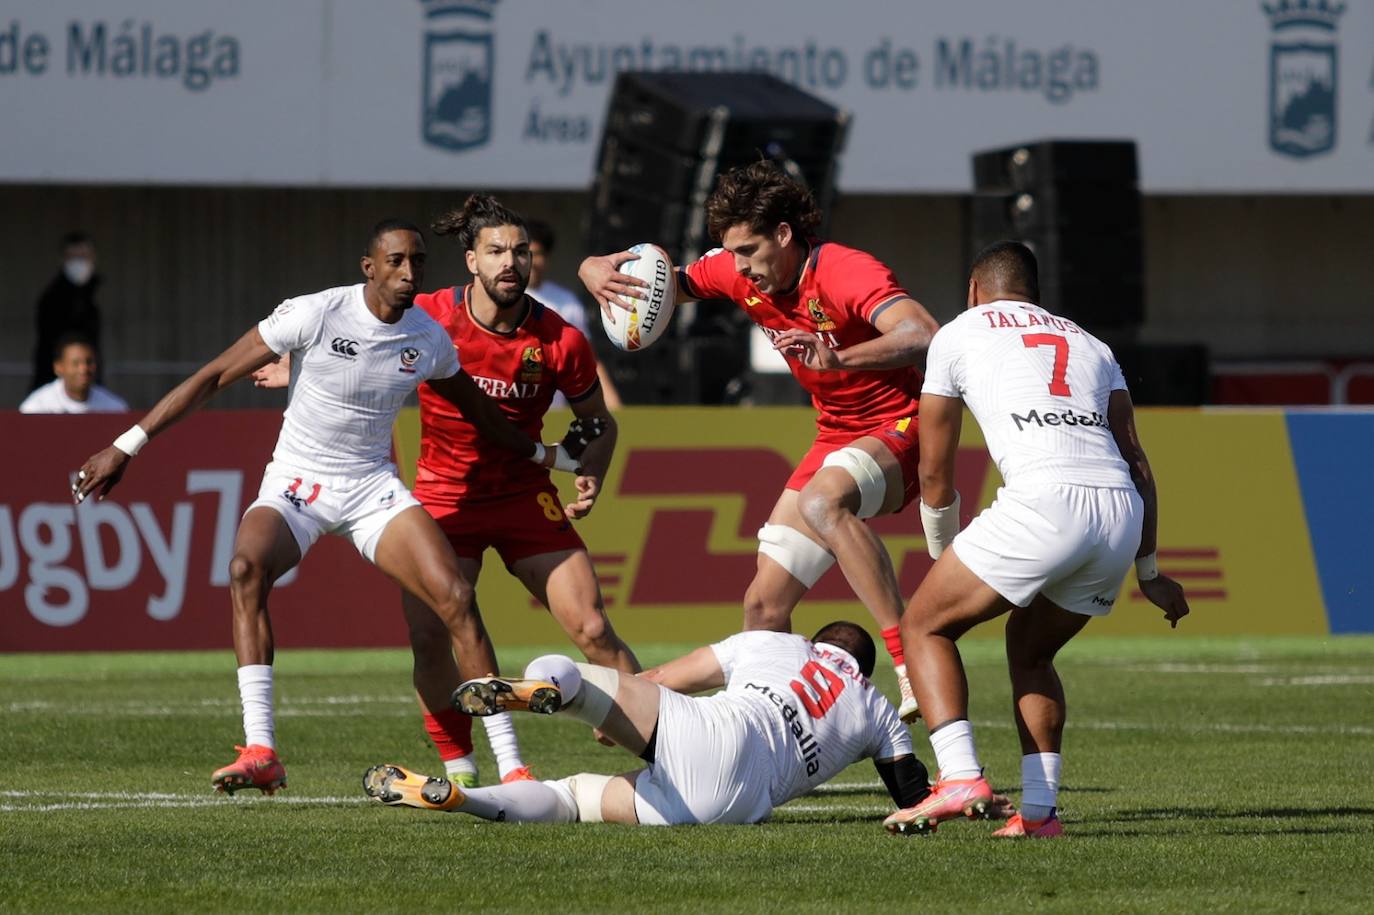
{"points": [[1264, 518], [1241, 96]]}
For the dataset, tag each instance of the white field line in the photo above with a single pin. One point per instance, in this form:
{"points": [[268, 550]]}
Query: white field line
{"points": [[1319, 680], [864, 809], [304, 707], [121, 800]]}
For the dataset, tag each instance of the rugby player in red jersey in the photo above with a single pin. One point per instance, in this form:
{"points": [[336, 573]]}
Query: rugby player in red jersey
{"points": [[852, 337], [520, 353]]}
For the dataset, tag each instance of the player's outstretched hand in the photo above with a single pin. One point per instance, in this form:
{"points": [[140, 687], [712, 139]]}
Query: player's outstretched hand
{"points": [[101, 471], [587, 490], [274, 374], [1167, 595], [807, 347], [603, 279]]}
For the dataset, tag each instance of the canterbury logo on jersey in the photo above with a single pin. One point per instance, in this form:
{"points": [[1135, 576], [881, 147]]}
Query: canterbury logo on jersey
{"points": [[348, 349]]}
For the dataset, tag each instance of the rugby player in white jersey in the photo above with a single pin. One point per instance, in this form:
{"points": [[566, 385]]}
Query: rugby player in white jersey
{"points": [[358, 351], [1076, 508], [793, 714]]}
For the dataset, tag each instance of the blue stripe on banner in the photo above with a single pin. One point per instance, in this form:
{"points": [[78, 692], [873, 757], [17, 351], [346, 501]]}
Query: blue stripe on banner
{"points": [[1333, 453]]}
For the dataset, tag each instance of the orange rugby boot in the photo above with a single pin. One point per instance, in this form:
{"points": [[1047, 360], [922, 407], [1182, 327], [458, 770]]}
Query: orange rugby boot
{"points": [[257, 767], [950, 798], [398, 787], [522, 774], [1018, 827], [494, 695]]}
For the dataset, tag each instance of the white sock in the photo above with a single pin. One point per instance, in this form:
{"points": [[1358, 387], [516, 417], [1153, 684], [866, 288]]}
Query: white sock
{"points": [[1040, 784], [463, 765], [954, 750], [521, 802], [501, 736], [255, 692]]}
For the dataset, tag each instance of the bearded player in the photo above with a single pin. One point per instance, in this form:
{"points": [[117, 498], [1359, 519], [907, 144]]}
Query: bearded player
{"points": [[852, 337], [521, 354]]}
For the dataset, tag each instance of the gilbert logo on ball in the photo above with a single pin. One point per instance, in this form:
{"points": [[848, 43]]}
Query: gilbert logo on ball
{"points": [[638, 327]]}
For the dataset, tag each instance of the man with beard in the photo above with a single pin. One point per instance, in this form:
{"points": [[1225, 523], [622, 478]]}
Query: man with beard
{"points": [[360, 351], [520, 353]]}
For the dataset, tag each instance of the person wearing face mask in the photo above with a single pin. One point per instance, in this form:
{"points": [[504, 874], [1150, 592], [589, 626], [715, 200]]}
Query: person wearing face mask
{"points": [[67, 305]]}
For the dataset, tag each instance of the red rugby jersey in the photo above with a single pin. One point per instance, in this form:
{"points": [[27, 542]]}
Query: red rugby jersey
{"points": [[840, 294], [521, 370]]}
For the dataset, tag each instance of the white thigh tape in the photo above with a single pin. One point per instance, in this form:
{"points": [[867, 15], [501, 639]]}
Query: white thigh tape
{"points": [[587, 789], [866, 473], [803, 558], [597, 695]]}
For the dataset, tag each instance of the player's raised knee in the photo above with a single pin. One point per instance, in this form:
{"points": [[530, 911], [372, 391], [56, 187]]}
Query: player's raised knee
{"points": [[245, 572]]}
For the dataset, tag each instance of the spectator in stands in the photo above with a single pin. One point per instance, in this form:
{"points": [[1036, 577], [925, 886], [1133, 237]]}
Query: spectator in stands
{"points": [[67, 306], [562, 300], [73, 389]]}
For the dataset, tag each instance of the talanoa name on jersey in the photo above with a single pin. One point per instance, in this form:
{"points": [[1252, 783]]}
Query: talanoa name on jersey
{"points": [[1001, 319], [503, 389]]}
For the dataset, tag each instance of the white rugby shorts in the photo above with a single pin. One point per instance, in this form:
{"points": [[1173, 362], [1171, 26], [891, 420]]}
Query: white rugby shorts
{"points": [[710, 765], [313, 504], [1074, 544]]}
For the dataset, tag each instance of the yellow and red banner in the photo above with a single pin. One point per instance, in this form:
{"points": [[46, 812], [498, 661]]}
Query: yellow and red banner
{"points": [[1266, 517]]}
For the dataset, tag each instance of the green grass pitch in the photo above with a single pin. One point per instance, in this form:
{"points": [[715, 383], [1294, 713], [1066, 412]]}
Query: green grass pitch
{"points": [[1201, 775]]}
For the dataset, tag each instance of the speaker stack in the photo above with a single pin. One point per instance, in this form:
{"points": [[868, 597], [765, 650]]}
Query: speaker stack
{"points": [[667, 137], [1077, 205]]}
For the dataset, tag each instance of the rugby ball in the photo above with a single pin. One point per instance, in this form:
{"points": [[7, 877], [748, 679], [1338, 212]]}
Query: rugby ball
{"points": [[636, 328]]}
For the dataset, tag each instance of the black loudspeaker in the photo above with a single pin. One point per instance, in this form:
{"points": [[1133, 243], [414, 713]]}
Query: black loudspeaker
{"points": [[1077, 205], [669, 135], [1164, 374]]}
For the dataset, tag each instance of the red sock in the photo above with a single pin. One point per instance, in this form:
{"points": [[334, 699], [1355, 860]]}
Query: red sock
{"points": [[893, 637], [451, 732]]}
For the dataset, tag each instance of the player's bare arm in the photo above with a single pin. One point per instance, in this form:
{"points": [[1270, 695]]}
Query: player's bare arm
{"points": [[596, 458], [274, 375], [105, 468], [906, 328], [483, 412], [692, 673], [603, 279], [1161, 590], [942, 419]]}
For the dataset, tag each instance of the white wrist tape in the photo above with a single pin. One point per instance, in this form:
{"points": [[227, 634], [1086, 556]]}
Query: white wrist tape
{"points": [[555, 457], [130, 442], [941, 525], [1147, 568]]}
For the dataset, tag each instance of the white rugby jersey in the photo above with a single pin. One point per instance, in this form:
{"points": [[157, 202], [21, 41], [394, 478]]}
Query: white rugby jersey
{"points": [[817, 711], [1038, 386], [350, 375]]}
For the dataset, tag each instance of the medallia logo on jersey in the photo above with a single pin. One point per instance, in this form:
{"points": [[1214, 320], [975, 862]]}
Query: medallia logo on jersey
{"points": [[409, 356], [823, 320], [532, 364], [457, 73], [1302, 76]]}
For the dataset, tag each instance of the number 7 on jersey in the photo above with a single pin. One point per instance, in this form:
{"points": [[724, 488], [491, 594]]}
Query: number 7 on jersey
{"points": [[1059, 386]]}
